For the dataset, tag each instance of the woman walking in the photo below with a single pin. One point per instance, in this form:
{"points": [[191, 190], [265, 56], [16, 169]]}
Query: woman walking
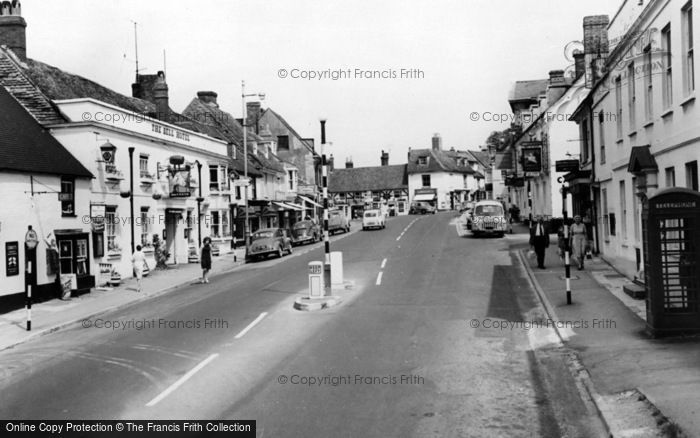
{"points": [[138, 261], [579, 240], [205, 259]]}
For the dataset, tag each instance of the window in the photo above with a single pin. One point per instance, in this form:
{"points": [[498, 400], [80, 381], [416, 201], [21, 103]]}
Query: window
{"points": [[423, 161], [220, 226], [145, 228], [688, 56], [666, 77], [618, 105], [282, 142], [143, 166], [601, 131], [631, 95], [623, 211], [604, 210], [586, 140], [112, 229], [215, 224], [648, 85], [426, 180], [188, 226], [691, 175], [214, 178], [670, 177], [292, 180], [67, 197]]}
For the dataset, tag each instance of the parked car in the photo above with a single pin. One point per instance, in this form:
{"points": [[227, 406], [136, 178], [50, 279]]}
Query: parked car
{"points": [[489, 217], [373, 219], [337, 222], [306, 231], [269, 241], [422, 207]]}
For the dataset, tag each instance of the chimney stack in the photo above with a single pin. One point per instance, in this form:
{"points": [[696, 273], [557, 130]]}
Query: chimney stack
{"points": [[348, 163], [557, 86], [253, 113], [437, 142], [385, 158], [208, 98], [160, 97], [595, 46], [579, 64], [13, 28]]}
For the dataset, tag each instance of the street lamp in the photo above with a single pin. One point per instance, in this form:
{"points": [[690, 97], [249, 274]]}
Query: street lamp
{"points": [[199, 204], [246, 227]]}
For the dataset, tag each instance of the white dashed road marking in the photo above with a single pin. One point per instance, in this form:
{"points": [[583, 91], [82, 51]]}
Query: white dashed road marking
{"points": [[379, 278], [383, 263], [182, 380], [250, 326]]}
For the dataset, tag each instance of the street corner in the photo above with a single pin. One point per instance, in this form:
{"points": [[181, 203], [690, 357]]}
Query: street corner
{"points": [[308, 304]]}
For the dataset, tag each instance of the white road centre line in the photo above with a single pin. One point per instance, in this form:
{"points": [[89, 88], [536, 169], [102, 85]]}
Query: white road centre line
{"points": [[182, 380], [383, 263], [250, 326], [379, 278]]}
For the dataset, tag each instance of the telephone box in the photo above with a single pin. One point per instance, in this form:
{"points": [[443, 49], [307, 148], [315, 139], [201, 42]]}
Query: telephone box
{"points": [[671, 239]]}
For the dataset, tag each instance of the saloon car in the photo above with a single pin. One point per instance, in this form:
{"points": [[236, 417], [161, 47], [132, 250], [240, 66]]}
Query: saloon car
{"points": [[489, 217], [422, 207], [306, 231], [269, 241], [373, 219]]}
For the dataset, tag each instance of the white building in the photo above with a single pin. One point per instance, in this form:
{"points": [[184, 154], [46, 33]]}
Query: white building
{"points": [[446, 178]]}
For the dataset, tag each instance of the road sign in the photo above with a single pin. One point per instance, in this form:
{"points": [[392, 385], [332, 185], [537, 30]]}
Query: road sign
{"points": [[31, 239], [567, 165]]}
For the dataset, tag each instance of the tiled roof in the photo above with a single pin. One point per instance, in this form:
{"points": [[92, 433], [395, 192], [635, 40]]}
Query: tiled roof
{"points": [[528, 90], [482, 157], [231, 130], [14, 79], [438, 161], [289, 128], [361, 179], [25, 146]]}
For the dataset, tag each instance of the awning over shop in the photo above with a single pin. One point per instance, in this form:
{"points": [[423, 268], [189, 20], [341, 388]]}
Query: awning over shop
{"points": [[287, 206], [305, 199], [424, 197], [295, 206]]}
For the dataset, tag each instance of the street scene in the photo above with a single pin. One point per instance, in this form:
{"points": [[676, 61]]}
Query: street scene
{"points": [[210, 231]]}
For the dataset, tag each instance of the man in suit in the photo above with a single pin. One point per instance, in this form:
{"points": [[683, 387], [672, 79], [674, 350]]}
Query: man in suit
{"points": [[539, 240]]}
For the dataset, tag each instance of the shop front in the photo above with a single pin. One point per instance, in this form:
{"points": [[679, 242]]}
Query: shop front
{"points": [[74, 259]]}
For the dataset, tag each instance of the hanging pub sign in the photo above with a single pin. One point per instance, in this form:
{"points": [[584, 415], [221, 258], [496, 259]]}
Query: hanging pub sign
{"points": [[532, 159], [566, 165], [180, 182], [97, 217], [12, 258]]}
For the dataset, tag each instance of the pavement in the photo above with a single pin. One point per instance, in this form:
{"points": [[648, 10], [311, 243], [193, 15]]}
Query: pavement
{"points": [[52, 315], [606, 330]]}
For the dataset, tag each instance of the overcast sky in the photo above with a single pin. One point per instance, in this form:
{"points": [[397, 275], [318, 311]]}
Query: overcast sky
{"points": [[467, 53]]}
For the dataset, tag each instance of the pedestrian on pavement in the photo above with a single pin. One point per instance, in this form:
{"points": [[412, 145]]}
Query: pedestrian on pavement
{"points": [[138, 261], [579, 239], [539, 240], [205, 256]]}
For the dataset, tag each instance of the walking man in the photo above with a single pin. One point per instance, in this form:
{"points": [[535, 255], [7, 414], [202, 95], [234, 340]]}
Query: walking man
{"points": [[539, 240]]}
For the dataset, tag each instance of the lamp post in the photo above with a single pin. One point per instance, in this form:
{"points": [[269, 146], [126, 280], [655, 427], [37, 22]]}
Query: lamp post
{"points": [[246, 226], [199, 204], [131, 194]]}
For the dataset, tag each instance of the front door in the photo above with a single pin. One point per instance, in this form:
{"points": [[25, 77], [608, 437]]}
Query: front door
{"points": [[171, 220]]}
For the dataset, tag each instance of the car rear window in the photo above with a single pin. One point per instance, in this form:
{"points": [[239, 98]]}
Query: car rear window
{"points": [[488, 210]]}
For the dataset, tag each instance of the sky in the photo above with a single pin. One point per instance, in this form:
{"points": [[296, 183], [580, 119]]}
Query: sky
{"points": [[457, 58]]}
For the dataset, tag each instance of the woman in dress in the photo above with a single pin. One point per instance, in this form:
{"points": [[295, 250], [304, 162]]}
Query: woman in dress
{"points": [[206, 259], [579, 239], [138, 261]]}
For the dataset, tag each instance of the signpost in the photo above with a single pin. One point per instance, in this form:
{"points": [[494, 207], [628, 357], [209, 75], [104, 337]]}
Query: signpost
{"points": [[30, 242]]}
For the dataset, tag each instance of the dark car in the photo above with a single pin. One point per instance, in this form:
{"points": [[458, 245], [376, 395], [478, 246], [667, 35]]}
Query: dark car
{"points": [[422, 207], [306, 231], [269, 241]]}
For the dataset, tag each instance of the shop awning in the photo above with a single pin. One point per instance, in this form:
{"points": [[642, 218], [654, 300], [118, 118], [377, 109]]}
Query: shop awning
{"points": [[287, 206], [295, 206], [305, 199], [424, 197]]}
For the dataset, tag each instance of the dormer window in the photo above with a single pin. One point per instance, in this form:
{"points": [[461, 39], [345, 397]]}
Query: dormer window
{"points": [[422, 161]]}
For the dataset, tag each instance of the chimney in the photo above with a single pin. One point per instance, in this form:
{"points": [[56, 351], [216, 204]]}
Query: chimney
{"points": [[437, 142], [385, 158], [13, 28], [557, 86], [253, 113], [208, 98], [579, 64], [160, 97], [595, 45], [348, 163]]}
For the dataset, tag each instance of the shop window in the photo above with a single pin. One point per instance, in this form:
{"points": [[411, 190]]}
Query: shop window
{"points": [[67, 197]]}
